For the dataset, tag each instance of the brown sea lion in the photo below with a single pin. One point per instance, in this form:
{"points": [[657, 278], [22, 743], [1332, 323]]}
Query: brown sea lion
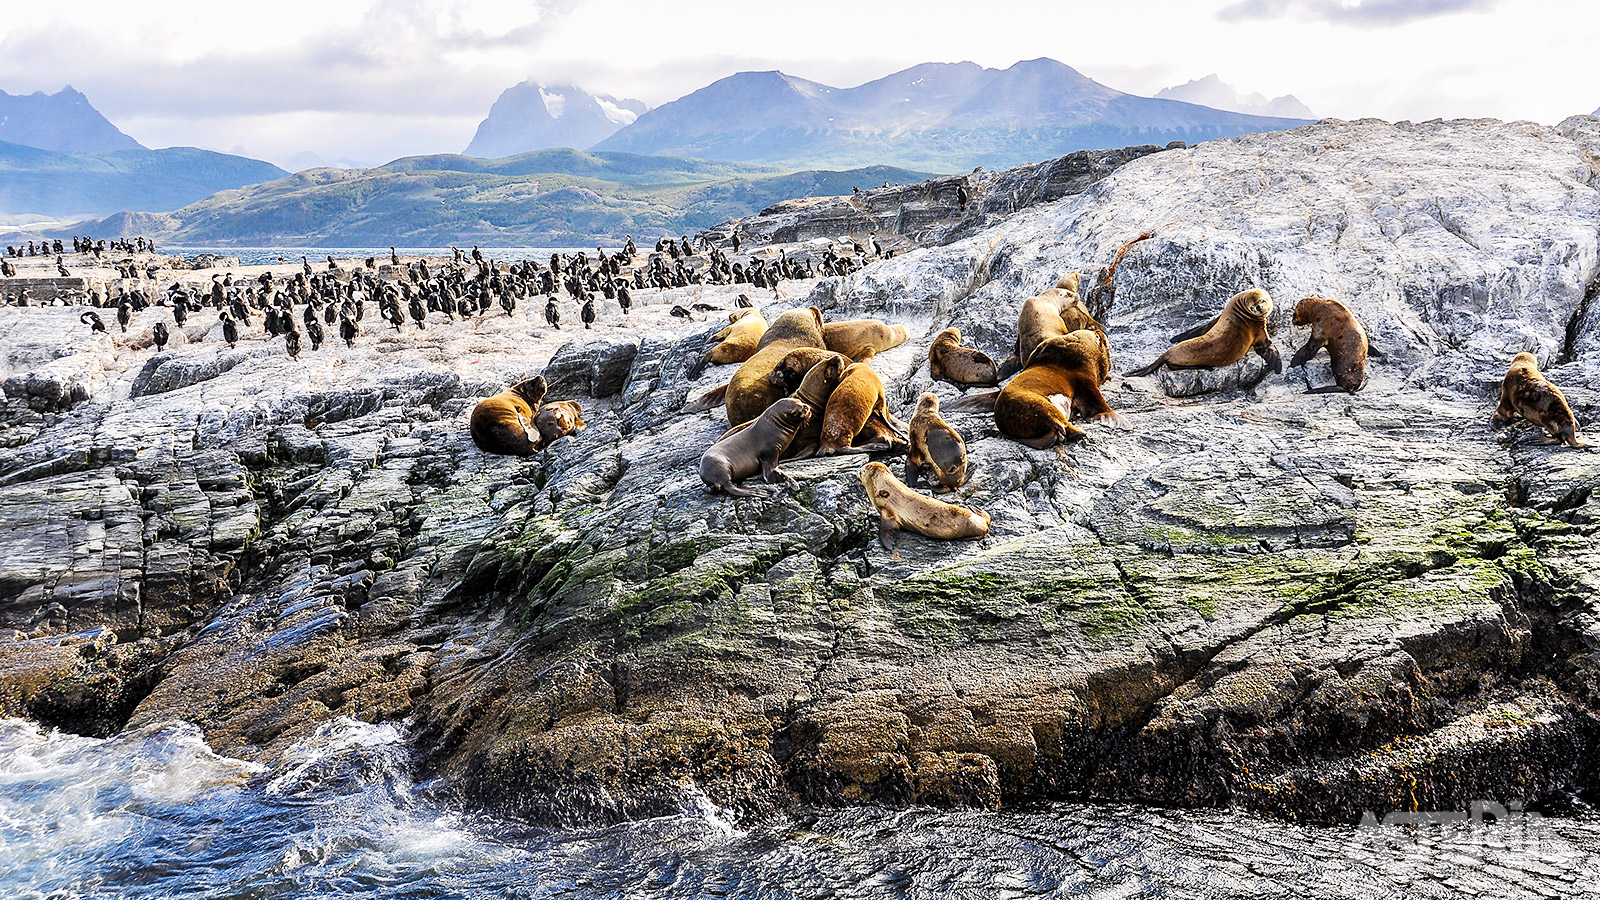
{"points": [[963, 367], [1223, 341], [857, 416], [1527, 394], [816, 385], [559, 419], [1063, 378], [937, 451], [860, 339], [1334, 326], [902, 509], [751, 392], [737, 342], [504, 423], [756, 448], [1055, 312]]}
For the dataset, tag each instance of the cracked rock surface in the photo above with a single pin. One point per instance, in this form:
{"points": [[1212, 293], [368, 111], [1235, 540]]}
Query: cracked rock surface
{"points": [[1311, 605]]}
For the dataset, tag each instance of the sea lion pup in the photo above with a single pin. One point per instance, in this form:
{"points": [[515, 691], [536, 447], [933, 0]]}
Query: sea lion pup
{"points": [[937, 452], [788, 373], [557, 420], [1334, 326], [750, 391], [757, 448], [1223, 341], [504, 423], [963, 367], [1053, 313], [902, 509], [737, 341], [816, 385], [1527, 394], [860, 339], [1063, 377], [857, 417]]}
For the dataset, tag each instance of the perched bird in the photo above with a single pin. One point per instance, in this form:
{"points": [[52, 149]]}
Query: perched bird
{"points": [[347, 330], [508, 303], [291, 342], [704, 307], [230, 331], [588, 313], [159, 332], [682, 313], [394, 257], [92, 320], [744, 302], [61, 268], [314, 331], [124, 316], [419, 310], [552, 313]]}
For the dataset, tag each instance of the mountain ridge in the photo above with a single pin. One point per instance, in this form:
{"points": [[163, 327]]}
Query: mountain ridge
{"points": [[64, 122], [531, 116]]}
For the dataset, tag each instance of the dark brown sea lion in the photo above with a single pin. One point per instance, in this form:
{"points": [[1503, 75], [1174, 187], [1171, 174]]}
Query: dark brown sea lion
{"points": [[937, 451], [1225, 340], [1063, 378], [1527, 394], [902, 509], [757, 448], [860, 339], [788, 373], [964, 367], [504, 423], [751, 392], [1334, 326], [736, 343], [559, 419], [857, 416]]}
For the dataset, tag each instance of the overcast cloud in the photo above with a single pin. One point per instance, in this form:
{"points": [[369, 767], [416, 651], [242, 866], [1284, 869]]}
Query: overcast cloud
{"points": [[367, 82]]}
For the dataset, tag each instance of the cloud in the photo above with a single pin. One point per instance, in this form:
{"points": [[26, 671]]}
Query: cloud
{"points": [[1362, 14]]}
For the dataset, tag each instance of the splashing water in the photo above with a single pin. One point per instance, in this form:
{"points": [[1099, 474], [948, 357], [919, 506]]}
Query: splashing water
{"points": [[155, 813]]}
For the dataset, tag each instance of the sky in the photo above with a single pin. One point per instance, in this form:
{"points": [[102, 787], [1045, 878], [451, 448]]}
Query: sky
{"points": [[360, 82]]}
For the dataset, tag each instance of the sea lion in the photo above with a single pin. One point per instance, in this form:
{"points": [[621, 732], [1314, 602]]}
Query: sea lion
{"points": [[857, 416], [788, 373], [964, 367], [559, 419], [860, 339], [1241, 327], [1527, 394], [504, 423], [1034, 407], [757, 448], [902, 509], [750, 391], [1053, 313], [937, 452], [737, 341], [1334, 326]]}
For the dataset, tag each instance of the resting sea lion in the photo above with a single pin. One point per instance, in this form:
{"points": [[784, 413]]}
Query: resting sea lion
{"points": [[559, 419], [1223, 341], [1334, 326], [902, 509], [738, 341], [1063, 377], [857, 416], [504, 423], [937, 451], [789, 372], [750, 391], [756, 448], [860, 339], [1055, 312], [1526, 394], [964, 367]]}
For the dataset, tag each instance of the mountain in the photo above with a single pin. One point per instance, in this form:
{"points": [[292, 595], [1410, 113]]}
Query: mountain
{"points": [[62, 121], [546, 198], [1212, 91], [936, 116], [58, 184], [530, 116]]}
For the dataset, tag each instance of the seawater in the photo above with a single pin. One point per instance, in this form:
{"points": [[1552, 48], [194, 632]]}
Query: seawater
{"points": [[261, 256], [155, 813]]}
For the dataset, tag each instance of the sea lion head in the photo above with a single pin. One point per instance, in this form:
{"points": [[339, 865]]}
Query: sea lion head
{"points": [[1077, 350], [1525, 360], [531, 390], [1254, 303], [949, 337], [928, 402], [790, 413], [1069, 282], [873, 475]]}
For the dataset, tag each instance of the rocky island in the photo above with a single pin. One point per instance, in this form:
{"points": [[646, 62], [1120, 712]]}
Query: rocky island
{"points": [[1313, 605]]}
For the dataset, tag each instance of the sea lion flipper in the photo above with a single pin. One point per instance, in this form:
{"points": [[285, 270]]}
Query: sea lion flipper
{"points": [[983, 402], [1139, 373], [1304, 354], [889, 535], [698, 367], [709, 400], [1009, 367], [1196, 331], [1267, 351]]}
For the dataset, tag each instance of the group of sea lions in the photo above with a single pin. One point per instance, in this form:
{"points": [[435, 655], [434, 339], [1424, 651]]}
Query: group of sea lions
{"points": [[517, 421], [804, 388]]}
